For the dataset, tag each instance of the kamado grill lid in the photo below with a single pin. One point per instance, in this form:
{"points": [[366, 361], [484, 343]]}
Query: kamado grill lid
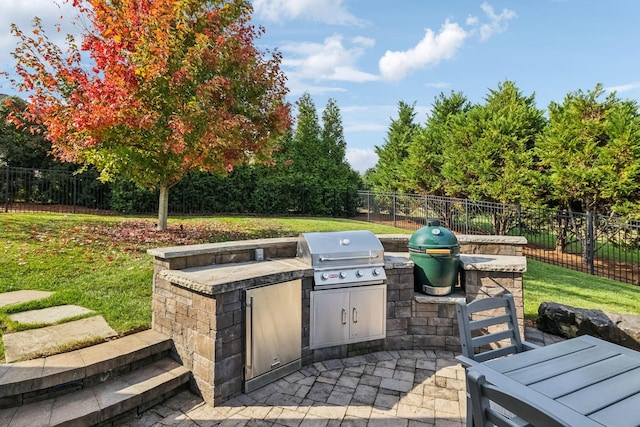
{"points": [[433, 239]]}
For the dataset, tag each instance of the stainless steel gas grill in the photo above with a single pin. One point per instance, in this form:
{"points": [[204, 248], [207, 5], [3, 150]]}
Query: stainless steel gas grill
{"points": [[349, 296], [343, 258]]}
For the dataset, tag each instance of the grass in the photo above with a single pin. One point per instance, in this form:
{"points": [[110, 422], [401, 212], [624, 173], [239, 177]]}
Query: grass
{"points": [[101, 262], [545, 282]]}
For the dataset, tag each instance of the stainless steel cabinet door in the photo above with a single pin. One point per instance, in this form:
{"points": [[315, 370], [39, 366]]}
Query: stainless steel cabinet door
{"points": [[348, 315], [274, 326], [329, 318], [367, 313]]}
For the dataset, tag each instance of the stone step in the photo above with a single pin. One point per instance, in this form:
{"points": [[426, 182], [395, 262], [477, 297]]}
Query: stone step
{"points": [[134, 392], [20, 297], [33, 342], [42, 378], [50, 315]]}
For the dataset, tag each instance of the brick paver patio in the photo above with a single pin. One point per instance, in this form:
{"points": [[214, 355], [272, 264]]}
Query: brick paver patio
{"points": [[412, 388]]}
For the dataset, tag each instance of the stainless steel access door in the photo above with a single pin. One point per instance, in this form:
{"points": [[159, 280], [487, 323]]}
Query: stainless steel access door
{"points": [[274, 332]]}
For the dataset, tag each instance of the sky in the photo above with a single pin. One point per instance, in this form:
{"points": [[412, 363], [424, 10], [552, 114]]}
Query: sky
{"points": [[368, 55]]}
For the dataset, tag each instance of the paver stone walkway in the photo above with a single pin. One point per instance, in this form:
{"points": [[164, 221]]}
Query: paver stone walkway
{"points": [[22, 345], [49, 315], [19, 297]]}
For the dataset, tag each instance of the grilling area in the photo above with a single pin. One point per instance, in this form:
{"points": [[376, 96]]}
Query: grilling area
{"points": [[244, 314]]}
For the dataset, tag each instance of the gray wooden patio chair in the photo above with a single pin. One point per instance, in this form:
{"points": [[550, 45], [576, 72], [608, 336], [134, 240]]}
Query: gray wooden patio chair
{"points": [[521, 412], [488, 330], [485, 326]]}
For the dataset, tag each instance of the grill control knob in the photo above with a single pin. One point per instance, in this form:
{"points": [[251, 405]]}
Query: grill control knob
{"points": [[359, 273], [343, 275], [376, 271], [325, 276]]}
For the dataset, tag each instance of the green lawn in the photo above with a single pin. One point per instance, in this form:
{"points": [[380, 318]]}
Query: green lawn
{"points": [[101, 262], [545, 282]]}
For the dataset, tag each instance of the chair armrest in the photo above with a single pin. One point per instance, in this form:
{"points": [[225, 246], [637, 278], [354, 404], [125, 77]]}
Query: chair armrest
{"points": [[529, 345], [466, 362]]}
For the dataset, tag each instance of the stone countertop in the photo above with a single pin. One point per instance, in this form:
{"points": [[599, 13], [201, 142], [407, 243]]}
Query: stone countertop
{"points": [[503, 263], [477, 262], [397, 260], [221, 278], [222, 247]]}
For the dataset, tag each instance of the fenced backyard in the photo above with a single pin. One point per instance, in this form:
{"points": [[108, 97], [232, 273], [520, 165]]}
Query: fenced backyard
{"points": [[605, 246]]}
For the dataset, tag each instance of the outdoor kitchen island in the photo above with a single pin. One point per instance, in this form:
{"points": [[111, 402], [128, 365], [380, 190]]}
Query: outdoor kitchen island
{"points": [[199, 300]]}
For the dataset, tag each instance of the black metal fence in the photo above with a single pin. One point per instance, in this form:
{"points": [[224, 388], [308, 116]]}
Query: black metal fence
{"points": [[25, 190], [30, 190], [606, 246]]}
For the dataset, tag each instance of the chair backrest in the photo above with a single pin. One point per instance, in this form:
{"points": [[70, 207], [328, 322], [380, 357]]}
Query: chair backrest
{"points": [[490, 327], [519, 411]]}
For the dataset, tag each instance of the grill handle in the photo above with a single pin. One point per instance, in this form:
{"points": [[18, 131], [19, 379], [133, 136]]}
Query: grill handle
{"points": [[348, 258]]}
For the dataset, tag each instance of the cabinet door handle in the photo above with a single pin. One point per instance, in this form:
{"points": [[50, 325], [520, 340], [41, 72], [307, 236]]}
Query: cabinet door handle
{"points": [[250, 334], [344, 316], [354, 315]]}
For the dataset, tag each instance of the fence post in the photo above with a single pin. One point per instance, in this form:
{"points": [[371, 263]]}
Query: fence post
{"points": [[75, 188], [368, 206], [394, 209], [519, 219], [6, 206], [590, 237], [466, 216]]}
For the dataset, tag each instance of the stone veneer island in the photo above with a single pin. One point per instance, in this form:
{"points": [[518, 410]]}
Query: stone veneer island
{"points": [[198, 301]]}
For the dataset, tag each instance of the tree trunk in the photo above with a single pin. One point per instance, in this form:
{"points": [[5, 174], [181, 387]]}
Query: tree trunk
{"points": [[163, 207]]}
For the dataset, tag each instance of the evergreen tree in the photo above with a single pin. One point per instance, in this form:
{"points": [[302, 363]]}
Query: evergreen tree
{"points": [[488, 153], [591, 153], [423, 168], [395, 150], [338, 172]]}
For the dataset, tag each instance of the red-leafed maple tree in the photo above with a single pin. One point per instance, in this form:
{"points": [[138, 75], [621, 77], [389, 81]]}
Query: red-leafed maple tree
{"points": [[171, 86]]}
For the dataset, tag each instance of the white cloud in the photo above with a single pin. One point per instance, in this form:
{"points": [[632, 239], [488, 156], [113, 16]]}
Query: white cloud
{"points": [[298, 86], [623, 88], [361, 159], [498, 22], [326, 11], [329, 60], [438, 85], [432, 49], [365, 126]]}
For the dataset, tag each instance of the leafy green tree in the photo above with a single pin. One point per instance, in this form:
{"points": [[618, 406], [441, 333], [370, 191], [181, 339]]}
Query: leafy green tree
{"points": [[591, 153], [423, 167], [395, 151], [19, 147], [173, 86], [333, 144], [307, 149], [334, 148], [312, 158], [488, 152]]}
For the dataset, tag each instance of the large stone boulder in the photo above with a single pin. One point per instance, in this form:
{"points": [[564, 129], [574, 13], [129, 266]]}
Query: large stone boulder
{"points": [[570, 322]]}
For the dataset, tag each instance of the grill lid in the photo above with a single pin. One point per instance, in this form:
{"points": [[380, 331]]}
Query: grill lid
{"points": [[333, 248], [342, 258]]}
